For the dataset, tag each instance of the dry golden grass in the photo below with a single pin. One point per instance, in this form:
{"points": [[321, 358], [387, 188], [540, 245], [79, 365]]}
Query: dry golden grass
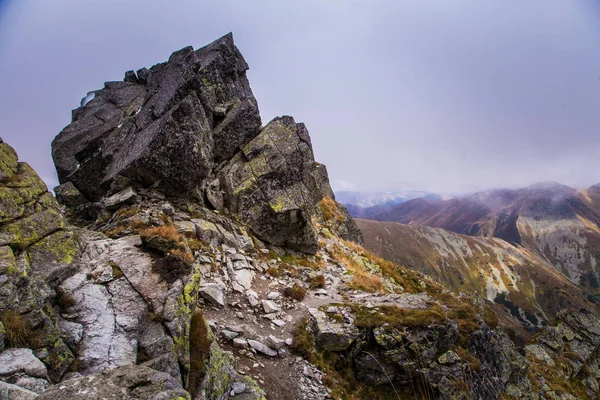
{"points": [[18, 332], [317, 282], [295, 292], [168, 232], [361, 279], [409, 280], [330, 210], [174, 240]]}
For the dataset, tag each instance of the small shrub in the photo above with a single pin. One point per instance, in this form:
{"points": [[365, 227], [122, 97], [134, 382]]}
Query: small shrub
{"points": [[317, 282], [274, 272], [166, 240], [18, 332], [295, 292], [200, 341]]}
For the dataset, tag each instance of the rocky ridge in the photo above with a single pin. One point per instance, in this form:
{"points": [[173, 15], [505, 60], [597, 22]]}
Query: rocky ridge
{"points": [[233, 280]]}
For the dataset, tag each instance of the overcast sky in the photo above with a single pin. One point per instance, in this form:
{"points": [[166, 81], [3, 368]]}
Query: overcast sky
{"points": [[446, 95]]}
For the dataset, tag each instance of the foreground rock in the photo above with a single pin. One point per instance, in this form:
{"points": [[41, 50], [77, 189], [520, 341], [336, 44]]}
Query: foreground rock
{"points": [[127, 383]]}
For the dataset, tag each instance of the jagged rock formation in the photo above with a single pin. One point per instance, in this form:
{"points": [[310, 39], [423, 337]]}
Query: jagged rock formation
{"points": [[75, 300], [191, 127]]}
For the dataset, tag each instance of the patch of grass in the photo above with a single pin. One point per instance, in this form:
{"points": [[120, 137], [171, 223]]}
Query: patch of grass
{"points": [[274, 272], [18, 331], [167, 240], [330, 211], [127, 212], [395, 316], [116, 270], [317, 282], [312, 262], [295, 292], [123, 228], [409, 280], [361, 278]]}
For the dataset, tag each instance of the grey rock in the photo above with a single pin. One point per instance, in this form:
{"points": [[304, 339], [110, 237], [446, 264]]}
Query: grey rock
{"points": [[124, 197], [275, 342], [273, 295], [240, 343], [14, 392], [72, 330], [238, 387], [270, 306], [126, 383], [36, 385], [161, 128], [154, 341], [166, 363], [229, 335], [244, 278], [213, 293], [262, 348], [168, 209], [332, 335], [21, 361]]}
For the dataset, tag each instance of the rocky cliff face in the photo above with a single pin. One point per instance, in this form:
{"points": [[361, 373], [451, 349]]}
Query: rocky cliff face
{"points": [[190, 127]]}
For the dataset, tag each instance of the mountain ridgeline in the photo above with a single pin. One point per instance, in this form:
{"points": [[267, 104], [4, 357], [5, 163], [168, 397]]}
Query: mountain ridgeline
{"points": [[546, 234], [192, 253]]}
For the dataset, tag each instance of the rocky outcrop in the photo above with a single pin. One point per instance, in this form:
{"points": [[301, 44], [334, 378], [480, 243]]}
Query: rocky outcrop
{"points": [[117, 311], [190, 127], [127, 383]]}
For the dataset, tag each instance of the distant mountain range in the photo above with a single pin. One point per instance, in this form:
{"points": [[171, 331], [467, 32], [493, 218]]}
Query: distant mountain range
{"points": [[368, 204], [534, 249]]}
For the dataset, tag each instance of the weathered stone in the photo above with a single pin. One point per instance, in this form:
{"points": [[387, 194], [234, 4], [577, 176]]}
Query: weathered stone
{"points": [[166, 363], [24, 232], [212, 293], [68, 195], [14, 392], [270, 306], [117, 200], [263, 349], [15, 361], [280, 161], [127, 383], [331, 335], [244, 278], [229, 335], [448, 358], [275, 342]]}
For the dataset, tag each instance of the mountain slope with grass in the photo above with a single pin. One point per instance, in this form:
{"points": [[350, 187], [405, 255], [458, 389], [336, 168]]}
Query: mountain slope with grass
{"points": [[559, 224]]}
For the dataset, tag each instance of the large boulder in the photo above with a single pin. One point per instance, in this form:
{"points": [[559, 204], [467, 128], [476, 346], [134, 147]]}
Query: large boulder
{"points": [[169, 124], [274, 184]]}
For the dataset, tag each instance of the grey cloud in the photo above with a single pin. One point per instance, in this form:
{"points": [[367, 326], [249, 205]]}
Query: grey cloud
{"points": [[438, 95]]}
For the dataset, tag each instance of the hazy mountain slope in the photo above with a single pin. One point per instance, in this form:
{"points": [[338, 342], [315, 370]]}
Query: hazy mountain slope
{"points": [[369, 204], [486, 266], [558, 223]]}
